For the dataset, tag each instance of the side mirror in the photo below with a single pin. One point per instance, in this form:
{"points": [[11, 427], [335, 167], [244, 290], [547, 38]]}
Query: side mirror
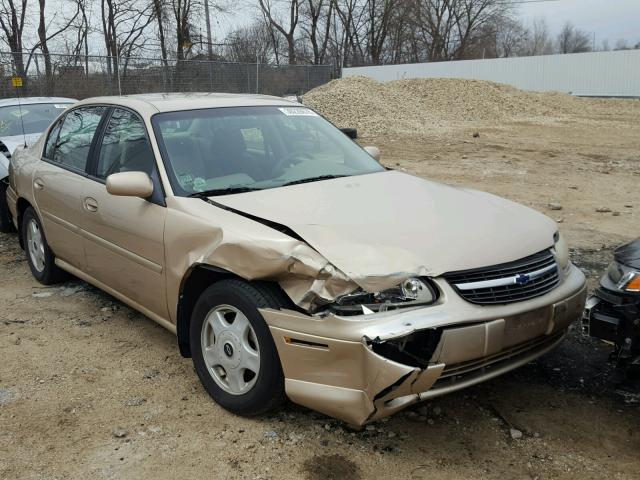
{"points": [[130, 184], [352, 133], [374, 152]]}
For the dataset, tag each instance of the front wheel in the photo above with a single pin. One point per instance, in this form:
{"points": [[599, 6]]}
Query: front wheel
{"points": [[232, 348]]}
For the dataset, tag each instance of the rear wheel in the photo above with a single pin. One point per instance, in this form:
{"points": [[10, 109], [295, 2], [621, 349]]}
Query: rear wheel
{"points": [[232, 348], [39, 256], [6, 225]]}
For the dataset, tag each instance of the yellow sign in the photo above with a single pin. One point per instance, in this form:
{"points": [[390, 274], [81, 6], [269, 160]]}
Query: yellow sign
{"points": [[16, 81]]}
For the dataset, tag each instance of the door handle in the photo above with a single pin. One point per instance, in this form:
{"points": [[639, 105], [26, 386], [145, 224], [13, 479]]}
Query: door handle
{"points": [[90, 204], [38, 184]]}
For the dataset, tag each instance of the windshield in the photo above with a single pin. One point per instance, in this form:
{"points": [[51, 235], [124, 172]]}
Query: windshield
{"points": [[231, 150], [36, 117]]}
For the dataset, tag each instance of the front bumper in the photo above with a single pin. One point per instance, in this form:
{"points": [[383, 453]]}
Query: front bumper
{"points": [[330, 365], [614, 316]]}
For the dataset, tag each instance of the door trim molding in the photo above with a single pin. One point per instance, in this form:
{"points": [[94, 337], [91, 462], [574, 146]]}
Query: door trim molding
{"points": [[123, 252], [63, 223], [129, 255]]}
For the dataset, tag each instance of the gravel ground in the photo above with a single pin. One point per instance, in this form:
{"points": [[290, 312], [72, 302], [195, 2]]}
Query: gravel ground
{"points": [[91, 389]]}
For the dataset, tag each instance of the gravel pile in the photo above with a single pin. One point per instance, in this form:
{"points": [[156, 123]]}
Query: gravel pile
{"points": [[432, 105]]}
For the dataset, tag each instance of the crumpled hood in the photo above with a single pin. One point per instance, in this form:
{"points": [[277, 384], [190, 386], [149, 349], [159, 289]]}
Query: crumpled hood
{"points": [[382, 227]]}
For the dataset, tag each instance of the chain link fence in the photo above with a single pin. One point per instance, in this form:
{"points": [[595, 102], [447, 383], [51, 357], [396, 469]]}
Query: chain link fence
{"points": [[80, 76]]}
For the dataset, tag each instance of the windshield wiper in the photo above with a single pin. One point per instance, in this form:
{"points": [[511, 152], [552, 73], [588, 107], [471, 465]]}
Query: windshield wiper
{"points": [[223, 191], [313, 179]]}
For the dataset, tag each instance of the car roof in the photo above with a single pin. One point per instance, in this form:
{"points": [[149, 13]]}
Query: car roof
{"points": [[7, 102], [151, 103]]}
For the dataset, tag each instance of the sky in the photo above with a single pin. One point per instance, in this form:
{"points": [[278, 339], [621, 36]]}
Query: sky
{"points": [[610, 20]]}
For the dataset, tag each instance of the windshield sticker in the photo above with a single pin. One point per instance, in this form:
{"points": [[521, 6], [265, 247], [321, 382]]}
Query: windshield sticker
{"points": [[60, 105], [199, 184], [185, 178], [298, 112]]}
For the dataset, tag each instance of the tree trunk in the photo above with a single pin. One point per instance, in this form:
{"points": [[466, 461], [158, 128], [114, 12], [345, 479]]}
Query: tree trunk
{"points": [[42, 36]]}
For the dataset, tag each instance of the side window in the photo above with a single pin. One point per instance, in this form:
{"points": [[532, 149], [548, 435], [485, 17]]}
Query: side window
{"points": [[51, 141], [125, 146], [76, 135]]}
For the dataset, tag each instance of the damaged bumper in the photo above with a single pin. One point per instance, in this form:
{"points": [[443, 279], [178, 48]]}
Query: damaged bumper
{"points": [[359, 369]]}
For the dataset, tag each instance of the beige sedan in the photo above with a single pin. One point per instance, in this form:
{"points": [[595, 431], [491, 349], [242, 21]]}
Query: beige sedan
{"points": [[286, 259]]}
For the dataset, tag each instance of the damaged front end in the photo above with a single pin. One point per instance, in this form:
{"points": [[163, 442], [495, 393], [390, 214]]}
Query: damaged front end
{"points": [[612, 313], [356, 344], [412, 292], [360, 368]]}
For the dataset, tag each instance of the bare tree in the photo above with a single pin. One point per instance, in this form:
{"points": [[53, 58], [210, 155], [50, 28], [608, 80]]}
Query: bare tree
{"points": [[316, 24], [537, 40], [622, 44], [572, 40], [352, 15], [123, 25], [12, 22], [403, 44], [45, 35], [510, 37], [452, 29], [249, 44], [286, 29], [160, 16], [183, 12], [379, 15]]}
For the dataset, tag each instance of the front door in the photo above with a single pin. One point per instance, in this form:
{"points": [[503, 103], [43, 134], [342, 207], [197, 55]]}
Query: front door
{"points": [[59, 180], [124, 235]]}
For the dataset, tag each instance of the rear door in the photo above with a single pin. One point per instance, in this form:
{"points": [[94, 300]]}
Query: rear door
{"points": [[58, 181], [124, 235]]}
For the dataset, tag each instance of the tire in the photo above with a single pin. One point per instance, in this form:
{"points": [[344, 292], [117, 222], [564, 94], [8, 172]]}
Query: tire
{"points": [[6, 225], [42, 263], [223, 302]]}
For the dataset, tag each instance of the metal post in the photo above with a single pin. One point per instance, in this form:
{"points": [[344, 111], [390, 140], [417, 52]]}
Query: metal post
{"points": [[257, 73], [118, 70], [35, 58], [207, 19]]}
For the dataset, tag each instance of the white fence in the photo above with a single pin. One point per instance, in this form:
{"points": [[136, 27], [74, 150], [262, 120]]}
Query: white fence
{"points": [[615, 74]]}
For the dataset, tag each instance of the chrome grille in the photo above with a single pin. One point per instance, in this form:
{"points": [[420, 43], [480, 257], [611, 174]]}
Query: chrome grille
{"points": [[509, 282]]}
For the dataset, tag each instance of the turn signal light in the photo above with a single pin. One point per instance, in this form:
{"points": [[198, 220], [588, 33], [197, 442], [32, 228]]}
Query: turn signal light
{"points": [[633, 285]]}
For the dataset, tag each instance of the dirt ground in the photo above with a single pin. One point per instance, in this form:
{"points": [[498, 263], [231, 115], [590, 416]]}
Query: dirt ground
{"points": [[91, 389]]}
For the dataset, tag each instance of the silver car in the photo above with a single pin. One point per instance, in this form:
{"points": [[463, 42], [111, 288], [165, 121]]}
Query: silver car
{"points": [[22, 121]]}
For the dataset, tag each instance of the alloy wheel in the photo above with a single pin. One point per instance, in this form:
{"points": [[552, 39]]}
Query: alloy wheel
{"points": [[230, 349], [35, 244]]}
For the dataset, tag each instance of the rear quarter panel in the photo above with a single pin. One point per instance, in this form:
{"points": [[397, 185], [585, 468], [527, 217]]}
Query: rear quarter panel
{"points": [[23, 162]]}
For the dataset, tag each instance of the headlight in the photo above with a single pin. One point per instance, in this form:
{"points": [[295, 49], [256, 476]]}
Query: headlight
{"points": [[626, 279], [561, 251], [411, 292]]}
